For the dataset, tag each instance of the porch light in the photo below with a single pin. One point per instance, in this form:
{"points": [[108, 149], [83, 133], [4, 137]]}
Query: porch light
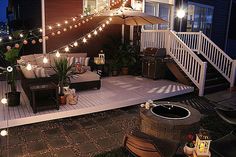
{"points": [[58, 54], [67, 49], [4, 133], [202, 144], [45, 60], [180, 13], [29, 67], [4, 101]]}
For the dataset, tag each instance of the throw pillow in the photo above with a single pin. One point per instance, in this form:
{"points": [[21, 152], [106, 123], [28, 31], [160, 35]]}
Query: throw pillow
{"points": [[86, 63], [40, 72], [80, 68], [71, 60]]}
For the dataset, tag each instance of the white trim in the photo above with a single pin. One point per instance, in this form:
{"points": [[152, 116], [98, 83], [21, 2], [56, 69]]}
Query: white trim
{"points": [[43, 25]]}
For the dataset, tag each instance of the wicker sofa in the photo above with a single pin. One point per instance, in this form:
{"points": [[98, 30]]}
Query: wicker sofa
{"points": [[87, 80]]}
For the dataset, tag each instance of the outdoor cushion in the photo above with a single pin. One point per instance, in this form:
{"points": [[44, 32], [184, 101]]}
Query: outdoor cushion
{"points": [[50, 71], [85, 77], [40, 72], [28, 59]]}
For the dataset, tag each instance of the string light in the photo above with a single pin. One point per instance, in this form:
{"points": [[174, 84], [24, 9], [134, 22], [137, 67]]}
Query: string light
{"points": [[103, 25], [50, 27], [45, 60], [40, 30], [89, 35], [58, 32], [64, 29], [0, 39], [75, 43], [33, 42], [107, 22], [4, 101], [110, 19], [66, 22], [17, 46], [8, 48], [40, 40], [58, 54], [25, 42], [95, 32], [58, 25], [73, 19], [21, 35], [4, 133], [28, 67], [84, 40], [10, 37], [67, 49], [100, 28]]}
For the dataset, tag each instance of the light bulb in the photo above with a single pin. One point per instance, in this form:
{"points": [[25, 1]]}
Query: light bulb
{"points": [[75, 26], [29, 67], [21, 35], [45, 60], [0, 39], [9, 69], [66, 22], [180, 13], [58, 54], [4, 133], [110, 19], [100, 28], [81, 16], [89, 35], [107, 22], [83, 21], [103, 25], [64, 29], [84, 40], [58, 25], [40, 30], [10, 37], [4, 101], [67, 49], [58, 32], [73, 19], [87, 20], [50, 27], [75, 43], [71, 27], [95, 32]]}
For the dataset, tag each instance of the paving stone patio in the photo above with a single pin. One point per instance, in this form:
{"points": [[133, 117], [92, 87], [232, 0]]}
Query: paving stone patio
{"points": [[83, 135]]}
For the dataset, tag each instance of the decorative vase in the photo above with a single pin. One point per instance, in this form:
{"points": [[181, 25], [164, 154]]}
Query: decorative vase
{"points": [[188, 150]]}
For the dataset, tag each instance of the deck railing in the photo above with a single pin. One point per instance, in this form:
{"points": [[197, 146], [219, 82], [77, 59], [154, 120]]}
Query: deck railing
{"points": [[200, 43], [186, 59]]}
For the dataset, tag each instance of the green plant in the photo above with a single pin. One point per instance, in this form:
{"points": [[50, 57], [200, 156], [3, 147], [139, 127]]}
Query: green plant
{"points": [[11, 57], [127, 55], [64, 71]]}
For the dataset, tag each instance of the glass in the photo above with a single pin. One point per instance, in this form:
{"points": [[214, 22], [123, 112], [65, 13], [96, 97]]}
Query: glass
{"points": [[164, 13]]}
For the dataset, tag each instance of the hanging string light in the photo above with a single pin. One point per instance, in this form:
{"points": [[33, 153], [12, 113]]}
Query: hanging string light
{"points": [[28, 67], [58, 54], [4, 132], [4, 101], [45, 60]]}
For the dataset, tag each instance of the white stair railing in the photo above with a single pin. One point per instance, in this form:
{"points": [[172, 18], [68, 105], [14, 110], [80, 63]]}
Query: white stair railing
{"points": [[214, 55], [185, 58]]}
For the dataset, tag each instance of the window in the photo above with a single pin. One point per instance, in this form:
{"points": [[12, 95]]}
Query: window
{"points": [[160, 10], [91, 5], [200, 18]]}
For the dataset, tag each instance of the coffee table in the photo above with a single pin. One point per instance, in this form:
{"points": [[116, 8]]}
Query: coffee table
{"points": [[44, 97]]}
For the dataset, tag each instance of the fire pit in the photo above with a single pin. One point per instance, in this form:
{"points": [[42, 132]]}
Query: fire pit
{"points": [[169, 120]]}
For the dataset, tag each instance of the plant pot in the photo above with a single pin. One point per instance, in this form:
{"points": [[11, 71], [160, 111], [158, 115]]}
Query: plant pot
{"points": [[188, 150], [125, 70], [62, 99], [13, 98]]}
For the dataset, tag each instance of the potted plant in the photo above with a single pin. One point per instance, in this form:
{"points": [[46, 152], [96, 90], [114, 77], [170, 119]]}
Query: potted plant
{"points": [[63, 71], [190, 145], [115, 66], [127, 57], [11, 56]]}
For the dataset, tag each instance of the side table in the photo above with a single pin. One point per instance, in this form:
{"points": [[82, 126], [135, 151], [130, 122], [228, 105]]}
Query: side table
{"points": [[44, 97]]}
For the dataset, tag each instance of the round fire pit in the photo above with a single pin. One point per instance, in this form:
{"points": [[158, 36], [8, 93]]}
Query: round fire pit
{"points": [[169, 120]]}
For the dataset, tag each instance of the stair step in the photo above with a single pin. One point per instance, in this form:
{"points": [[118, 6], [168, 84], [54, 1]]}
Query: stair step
{"points": [[216, 88], [214, 81]]}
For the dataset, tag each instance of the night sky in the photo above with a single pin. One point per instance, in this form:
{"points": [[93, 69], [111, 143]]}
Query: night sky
{"points": [[3, 5]]}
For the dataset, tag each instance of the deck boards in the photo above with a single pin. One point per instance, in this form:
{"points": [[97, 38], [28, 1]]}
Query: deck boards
{"points": [[116, 92]]}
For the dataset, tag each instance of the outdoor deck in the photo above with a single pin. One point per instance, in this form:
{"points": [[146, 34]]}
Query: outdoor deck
{"points": [[116, 92]]}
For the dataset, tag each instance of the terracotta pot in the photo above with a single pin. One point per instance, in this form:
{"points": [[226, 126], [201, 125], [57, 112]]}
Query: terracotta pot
{"points": [[62, 99], [188, 151], [125, 70]]}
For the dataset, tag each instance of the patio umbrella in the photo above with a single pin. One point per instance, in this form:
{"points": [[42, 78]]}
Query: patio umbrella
{"points": [[128, 16]]}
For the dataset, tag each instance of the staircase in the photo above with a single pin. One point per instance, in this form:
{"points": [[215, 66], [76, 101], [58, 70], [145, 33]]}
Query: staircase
{"points": [[196, 58]]}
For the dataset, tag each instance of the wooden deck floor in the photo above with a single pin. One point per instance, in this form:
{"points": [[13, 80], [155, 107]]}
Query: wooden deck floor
{"points": [[116, 92]]}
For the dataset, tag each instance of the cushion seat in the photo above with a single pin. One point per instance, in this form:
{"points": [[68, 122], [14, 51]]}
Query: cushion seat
{"points": [[85, 77]]}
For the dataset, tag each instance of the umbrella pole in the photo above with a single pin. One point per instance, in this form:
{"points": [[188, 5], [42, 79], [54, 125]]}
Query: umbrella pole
{"points": [[123, 34]]}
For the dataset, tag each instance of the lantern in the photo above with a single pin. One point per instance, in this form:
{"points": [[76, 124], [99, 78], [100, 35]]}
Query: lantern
{"points": [[202, 144], [101, 57]]}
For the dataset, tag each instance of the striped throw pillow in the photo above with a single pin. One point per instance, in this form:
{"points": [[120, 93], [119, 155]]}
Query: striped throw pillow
{"points": [[40, 72], [71, 60]]}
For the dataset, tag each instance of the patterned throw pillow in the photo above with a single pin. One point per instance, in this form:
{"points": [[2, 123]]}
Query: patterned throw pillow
{"points": [[40, 72]]}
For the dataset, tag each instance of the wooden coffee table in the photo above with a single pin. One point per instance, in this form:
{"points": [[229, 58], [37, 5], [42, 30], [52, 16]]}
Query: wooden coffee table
{"points": [[44, 97]]}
